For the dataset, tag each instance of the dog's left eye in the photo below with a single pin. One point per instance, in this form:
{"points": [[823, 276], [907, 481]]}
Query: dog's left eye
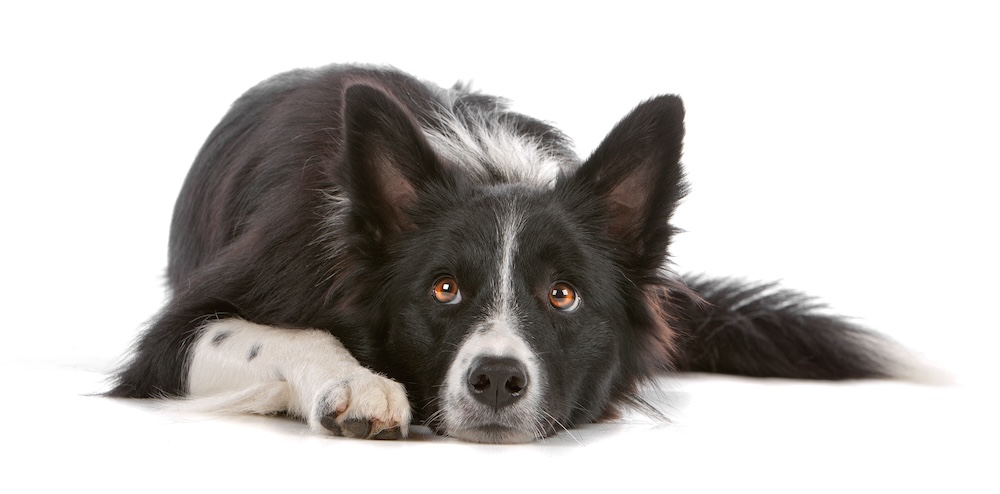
{"points": [[563, 297]]}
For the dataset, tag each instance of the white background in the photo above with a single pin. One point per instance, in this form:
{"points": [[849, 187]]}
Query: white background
{"points": [[849, 150]]}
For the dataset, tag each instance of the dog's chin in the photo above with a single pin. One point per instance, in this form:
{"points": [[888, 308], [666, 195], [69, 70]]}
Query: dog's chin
{"points": [[481, 425], [492, 434], [496, 434]]}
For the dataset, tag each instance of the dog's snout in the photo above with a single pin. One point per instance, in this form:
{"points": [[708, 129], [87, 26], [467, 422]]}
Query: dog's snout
{"points": [[497, 381]]}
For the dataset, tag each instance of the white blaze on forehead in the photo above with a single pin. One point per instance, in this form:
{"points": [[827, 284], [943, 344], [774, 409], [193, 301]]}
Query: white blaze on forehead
{"points": [[505, 307], [498, 335]]}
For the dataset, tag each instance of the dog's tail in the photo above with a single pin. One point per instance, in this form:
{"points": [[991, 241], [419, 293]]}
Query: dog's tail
{"points": [[759, 330]]}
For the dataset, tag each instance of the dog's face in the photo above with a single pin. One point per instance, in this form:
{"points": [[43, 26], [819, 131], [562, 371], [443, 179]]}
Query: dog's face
{"points": [[511, 311], [505, 312]]}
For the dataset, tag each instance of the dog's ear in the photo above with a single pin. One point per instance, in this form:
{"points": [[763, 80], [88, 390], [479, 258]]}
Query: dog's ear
{"points": [[388, 159], [636, 173]]}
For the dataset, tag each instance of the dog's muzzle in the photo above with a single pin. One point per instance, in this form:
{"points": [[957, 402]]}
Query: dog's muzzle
{"points": [[494, 390]]}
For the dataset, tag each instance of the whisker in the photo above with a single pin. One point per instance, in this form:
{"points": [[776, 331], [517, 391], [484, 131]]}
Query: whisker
{"points": [[555, 421]]}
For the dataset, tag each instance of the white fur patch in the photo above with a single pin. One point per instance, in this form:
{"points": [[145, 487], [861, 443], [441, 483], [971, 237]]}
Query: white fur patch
{"points": [[335, 209], [485, 148], [461, 413], [239, 366], [511, 227]]}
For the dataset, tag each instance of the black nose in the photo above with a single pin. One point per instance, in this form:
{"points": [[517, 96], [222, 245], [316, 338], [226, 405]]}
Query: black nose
{"points": [[498, 381]]}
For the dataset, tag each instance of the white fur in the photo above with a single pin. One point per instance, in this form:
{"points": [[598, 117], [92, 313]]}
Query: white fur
{"points": [[336, 208], [239, 366], [480, 140], [512, 225], [460, 410]]}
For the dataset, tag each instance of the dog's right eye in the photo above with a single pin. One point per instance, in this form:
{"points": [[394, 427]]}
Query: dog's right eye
{"points": [[446, 291], [563, 297]]}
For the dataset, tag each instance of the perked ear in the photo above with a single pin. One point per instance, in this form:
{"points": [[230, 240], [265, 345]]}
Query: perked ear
{"points": [[636, 173], [388, 159]]}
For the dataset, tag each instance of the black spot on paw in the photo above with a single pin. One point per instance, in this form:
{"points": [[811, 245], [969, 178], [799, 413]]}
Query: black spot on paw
{"points": [[330, 423], [393, 433], [220, 336], [356, 428], [253, 352]]}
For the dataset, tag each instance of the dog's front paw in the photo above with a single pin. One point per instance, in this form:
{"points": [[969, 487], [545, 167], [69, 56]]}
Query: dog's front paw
{"points": [[365, 405]]}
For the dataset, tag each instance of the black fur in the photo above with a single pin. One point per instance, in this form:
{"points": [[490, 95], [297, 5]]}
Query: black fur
{"points": [[760, 330], [319, 202]]}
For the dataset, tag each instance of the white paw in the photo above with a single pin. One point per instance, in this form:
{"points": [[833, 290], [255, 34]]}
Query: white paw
{"points": [[365, 405]]}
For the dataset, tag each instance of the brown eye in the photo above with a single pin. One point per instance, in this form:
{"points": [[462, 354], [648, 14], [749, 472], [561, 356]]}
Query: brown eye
{"points": [[445, 291], [563, 297]]}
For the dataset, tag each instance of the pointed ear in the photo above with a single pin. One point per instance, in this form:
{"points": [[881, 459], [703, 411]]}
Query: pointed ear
{"points": [[636, 173], [388, 159]]}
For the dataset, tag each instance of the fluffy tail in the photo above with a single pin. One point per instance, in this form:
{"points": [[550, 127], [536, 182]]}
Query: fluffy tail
{"points": [[762, 331]]}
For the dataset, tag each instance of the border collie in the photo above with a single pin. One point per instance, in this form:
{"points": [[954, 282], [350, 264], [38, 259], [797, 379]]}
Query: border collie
{"points": [[363, 249]]}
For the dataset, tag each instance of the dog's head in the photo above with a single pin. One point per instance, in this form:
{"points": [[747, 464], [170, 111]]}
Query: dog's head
{"points": [[513, 310]]}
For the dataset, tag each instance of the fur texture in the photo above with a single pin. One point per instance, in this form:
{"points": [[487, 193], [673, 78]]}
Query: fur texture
{"points": [[350, 232]]}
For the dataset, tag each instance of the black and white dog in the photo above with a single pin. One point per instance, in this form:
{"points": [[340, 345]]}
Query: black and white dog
{"points": [[362, 249]]}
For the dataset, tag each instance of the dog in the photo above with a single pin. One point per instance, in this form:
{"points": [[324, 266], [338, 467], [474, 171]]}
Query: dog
{"points": [[365, 250]]}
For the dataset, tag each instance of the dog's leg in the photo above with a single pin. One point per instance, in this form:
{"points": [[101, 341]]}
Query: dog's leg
{"points": [[247, 367]]}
